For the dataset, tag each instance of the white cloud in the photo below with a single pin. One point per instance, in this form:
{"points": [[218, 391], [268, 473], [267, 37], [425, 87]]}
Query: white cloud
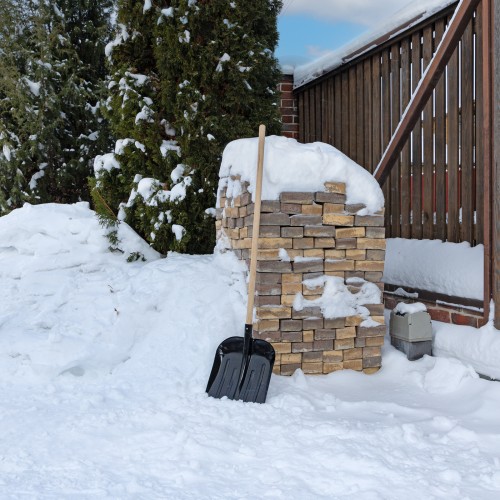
{"points": [[367, 12]]}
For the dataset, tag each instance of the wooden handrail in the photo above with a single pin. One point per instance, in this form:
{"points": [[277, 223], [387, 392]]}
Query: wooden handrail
{"points": [[423, 92]]}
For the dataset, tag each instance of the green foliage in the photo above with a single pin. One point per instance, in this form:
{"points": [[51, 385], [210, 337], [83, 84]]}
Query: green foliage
{"points": [[52, 74], [199, 74]]}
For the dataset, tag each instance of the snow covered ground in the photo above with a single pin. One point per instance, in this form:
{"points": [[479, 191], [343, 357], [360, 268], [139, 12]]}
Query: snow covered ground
{"points": [[103, 368]]}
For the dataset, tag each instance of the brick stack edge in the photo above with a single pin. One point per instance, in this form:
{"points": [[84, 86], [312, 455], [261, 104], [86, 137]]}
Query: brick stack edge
{"points": [[289, 108], [319, 226]]}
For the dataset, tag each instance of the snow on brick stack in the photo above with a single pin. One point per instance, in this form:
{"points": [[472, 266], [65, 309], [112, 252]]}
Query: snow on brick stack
{"points": [[321, 252]]}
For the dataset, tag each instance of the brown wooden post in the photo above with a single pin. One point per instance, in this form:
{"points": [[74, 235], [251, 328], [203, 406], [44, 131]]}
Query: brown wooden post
{"points": [[495, 23], [486, 136]]}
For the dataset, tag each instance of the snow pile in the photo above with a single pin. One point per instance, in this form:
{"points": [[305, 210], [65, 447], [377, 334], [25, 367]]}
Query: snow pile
{"points": [[413, 13], [480, 348], [292, 166], [103, 369], [336, 300], [454, 269], [403, 308]]}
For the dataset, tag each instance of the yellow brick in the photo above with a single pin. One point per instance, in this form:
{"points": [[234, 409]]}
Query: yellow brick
{"points": [[242, 244], [342, 344], [266, 243], [353, 320], [291, 359], [346, 333], [333, 208], [333, 356], [356, 353], [312, 368], [371, 371], [315, 253], [314, 297], [369, 265], [291, 278], [274, 312], [277, 368], [312, 209], [355, 254], [340, 265], [268, 325], [308, 336], [294, 253], [335, 187], [291, 288], [282, 348], [339, 220], [233, 234], [268, 255], [332, 367], [350, 232], [287, 300], [318, 290], [244, 232], [335, 254], [374, 341], [233, 212], [354, 364], [371, 244], [324, 243], [372, 352], [379, 319]]}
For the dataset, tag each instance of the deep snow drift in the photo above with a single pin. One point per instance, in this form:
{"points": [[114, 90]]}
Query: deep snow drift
{"points": [[103, 368]]}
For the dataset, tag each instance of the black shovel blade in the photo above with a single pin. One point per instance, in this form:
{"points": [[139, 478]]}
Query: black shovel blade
{"points": [[242, 371], [226, 371], [258, 373]]}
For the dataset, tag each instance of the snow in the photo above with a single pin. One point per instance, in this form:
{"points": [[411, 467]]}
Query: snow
{"points": [[147, 6], [413, 13], [416, 307], [169, 12], [106, 162], [336, 300], [167, 146], [6, 152], [292, 166], [177, 173], [225, 58], [33, 86], [454, 269], [178, 231], [103, 369], [479, 348]]}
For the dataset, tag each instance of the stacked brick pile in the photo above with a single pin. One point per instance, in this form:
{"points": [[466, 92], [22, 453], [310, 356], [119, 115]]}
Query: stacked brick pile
{"points": [[322, 235]]}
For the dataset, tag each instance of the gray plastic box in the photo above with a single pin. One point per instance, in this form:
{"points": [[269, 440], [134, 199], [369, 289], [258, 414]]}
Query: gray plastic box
{"points": [[411, 327]]}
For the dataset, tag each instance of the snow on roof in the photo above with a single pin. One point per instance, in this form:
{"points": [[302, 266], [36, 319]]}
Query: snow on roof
{"points": [[292, 166], [408, 16]]}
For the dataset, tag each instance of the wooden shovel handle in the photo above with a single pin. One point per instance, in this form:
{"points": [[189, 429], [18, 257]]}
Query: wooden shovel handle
{"points": [[256, 225]]}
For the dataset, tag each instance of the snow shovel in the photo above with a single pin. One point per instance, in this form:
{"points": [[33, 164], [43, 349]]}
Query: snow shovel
{"points": [[242, 366]]}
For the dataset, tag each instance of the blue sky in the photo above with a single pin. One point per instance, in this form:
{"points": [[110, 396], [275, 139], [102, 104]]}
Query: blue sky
{"points": [[309, 28]]}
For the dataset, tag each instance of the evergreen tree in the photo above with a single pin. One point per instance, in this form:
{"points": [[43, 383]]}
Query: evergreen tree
{"points": [[216, 59], [123, 178], [49, 112], [203, 73]]}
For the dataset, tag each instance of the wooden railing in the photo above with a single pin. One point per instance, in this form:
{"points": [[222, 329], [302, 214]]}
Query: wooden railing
{"points": [[435, 189]]}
